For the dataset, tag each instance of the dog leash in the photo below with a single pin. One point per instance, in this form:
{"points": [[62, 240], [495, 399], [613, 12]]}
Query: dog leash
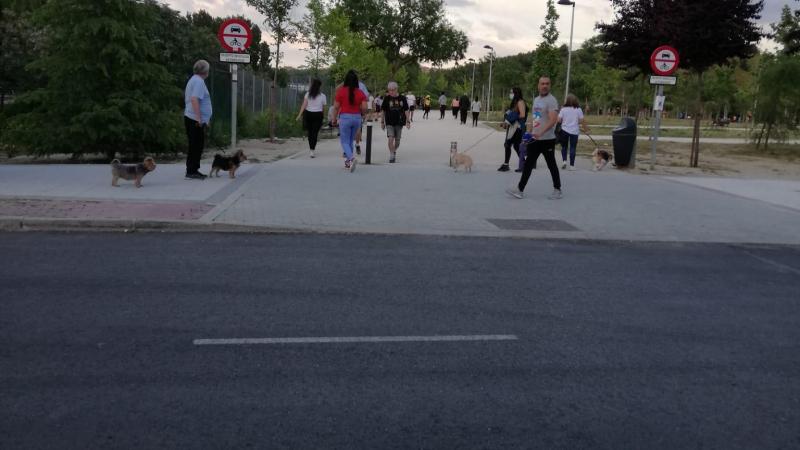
{"points": [[481, 140]]}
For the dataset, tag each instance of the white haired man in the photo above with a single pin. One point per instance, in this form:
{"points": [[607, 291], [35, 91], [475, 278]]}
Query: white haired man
{"points": [[197, 115], [395, 116]]}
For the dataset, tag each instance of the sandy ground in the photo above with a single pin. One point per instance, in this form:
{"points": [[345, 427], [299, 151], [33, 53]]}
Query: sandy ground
{"points": [[724, 160]]}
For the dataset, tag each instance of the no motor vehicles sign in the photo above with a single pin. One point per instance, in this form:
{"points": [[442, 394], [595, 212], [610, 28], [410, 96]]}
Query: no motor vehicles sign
{"points": [[235, 35], [664, 61]]}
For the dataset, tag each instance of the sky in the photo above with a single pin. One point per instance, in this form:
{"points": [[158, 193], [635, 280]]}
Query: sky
{"points": [[510, 26]]}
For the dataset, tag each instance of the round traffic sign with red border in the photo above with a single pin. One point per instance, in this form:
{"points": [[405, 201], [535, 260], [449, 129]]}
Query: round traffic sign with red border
{"points": [[235, 35], [664, 60]]}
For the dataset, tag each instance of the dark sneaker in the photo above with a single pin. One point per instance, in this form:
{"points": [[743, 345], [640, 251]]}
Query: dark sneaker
{"points": [[503, 168], [195, 176], [518, 170], [358, 150]]}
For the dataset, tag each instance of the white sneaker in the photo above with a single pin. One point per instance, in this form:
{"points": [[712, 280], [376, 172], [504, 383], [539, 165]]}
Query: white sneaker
{"points": [[515, 192], [571, 167], [312, 154], [564, 165], [556, 195], [353, 164]]}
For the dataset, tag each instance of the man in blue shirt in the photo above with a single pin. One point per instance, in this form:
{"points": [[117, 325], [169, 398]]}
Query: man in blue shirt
{"points": [[197, 116]]}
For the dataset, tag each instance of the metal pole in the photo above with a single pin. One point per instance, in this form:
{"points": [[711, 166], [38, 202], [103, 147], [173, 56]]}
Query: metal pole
{"points": [[368, 156], [254, 92], [491, 61], [656, 129], [472, 95], [569, 55], [234, 82]]}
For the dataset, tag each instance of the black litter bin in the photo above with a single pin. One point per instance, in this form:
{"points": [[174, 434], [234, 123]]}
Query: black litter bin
{"points": [[624, 141]]}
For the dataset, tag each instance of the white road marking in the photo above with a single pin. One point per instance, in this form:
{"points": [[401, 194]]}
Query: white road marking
{"points": [[355, 339]]}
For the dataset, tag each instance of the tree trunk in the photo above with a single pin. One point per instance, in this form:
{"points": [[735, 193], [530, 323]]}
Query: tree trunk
{"points": [[273, 113], [760, 136], [766, 138], [695, 154]]}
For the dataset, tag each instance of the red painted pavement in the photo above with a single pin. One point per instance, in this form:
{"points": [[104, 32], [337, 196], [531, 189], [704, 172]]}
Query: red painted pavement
{"points": [[102, 209]]}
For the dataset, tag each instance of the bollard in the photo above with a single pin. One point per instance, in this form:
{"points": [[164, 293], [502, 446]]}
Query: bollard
{"points": [[453, 149], [368, 155]]}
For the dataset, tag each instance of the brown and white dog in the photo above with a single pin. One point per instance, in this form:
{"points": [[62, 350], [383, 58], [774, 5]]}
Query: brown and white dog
{"points": [[460, 159], [131, 171], [227, 163]]}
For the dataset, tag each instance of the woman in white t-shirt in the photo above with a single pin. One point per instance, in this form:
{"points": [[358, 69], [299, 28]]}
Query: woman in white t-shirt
{"points": [[571, 119], [312, 113], [476, 111]]}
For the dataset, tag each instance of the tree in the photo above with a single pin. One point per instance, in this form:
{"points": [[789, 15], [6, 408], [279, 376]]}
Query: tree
{"points": [[423, 82], [104, 90], [407, 31], [787, 31], [547, 59], [778, 97], [705, 33], [283, 30], [440, 82], [350, 50], [314, 35]]}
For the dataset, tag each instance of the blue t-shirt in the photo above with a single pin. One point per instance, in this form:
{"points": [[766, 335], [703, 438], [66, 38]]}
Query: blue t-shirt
{"points": [[196, 87]]}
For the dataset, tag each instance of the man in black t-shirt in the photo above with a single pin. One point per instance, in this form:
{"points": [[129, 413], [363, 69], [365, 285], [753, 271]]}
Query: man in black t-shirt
{"points": [[395, 116]]}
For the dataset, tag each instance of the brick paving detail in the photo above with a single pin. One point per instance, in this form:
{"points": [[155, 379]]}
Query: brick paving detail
{"points": [[102, 209]]}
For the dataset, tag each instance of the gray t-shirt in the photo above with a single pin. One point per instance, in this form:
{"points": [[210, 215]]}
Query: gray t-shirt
{"points": [[542, 106]]}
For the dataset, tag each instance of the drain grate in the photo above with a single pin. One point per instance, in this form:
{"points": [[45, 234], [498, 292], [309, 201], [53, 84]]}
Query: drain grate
{"points": [[532, 224]]}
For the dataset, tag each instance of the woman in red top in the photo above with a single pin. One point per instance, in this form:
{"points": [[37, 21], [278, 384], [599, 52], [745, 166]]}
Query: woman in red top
{"points": [[350, 103]]}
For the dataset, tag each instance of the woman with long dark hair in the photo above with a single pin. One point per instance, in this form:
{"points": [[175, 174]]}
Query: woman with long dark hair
{"points": [[349, 104], [312, 112], [514, 122]]}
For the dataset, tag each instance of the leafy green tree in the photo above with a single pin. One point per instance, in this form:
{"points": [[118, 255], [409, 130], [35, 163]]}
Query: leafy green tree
{"points": [[423, 82], [313, 34], [787, 30], [440, 82], [350, 50], [104, 89], [778, 97], [547, 59], [407, 31], [705, 33], [283, 29]]}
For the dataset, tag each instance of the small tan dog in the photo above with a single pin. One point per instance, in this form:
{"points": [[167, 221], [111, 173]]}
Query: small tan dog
{"points": [[460, 159], [131, 171], [227, 163]]}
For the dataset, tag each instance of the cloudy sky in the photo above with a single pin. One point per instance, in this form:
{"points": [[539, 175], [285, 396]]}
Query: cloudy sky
{"points": [[511, 26]]}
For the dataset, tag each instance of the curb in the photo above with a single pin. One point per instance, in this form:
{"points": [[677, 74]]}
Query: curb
{"points": [[22, 224]]}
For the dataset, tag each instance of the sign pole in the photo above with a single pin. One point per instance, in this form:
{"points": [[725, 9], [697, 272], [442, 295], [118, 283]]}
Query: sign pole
{"points": [[658, 106], [234, 80]]}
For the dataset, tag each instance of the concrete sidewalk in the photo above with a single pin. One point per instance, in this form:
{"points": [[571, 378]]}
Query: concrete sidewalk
{"points": [[420, 194]]}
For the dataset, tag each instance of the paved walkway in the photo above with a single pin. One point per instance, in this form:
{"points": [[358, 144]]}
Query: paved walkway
{"points": [[421, 195]]}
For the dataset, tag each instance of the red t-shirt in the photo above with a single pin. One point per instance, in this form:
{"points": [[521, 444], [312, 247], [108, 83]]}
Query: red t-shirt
{"points": [[343, 97]]}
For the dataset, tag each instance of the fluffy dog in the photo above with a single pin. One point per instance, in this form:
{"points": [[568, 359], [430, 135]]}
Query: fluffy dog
{"points": [[460, 159], [131, 171], [227, 163], [601, 158]]}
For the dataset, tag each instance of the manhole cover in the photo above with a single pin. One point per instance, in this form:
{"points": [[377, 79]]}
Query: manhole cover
{"points": [[532, 224]]}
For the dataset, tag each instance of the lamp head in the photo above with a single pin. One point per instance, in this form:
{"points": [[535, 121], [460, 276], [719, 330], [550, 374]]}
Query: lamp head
{"points": [[566, 3]]}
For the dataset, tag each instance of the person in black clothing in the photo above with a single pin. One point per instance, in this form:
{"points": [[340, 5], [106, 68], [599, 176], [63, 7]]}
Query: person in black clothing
{"points": [[463, 107], [395, 115], [515, 120]]}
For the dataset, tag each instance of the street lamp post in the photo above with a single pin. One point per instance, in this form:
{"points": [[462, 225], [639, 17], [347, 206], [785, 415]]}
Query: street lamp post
{"points": [[491, 62], [569, 55], [472, 95]]}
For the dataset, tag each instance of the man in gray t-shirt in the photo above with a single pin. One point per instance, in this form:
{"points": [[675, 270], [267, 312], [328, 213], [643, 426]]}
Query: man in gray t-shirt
{"points": [[544, 116]]}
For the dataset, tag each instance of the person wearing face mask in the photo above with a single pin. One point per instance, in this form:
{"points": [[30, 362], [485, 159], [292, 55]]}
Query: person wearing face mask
{"points": [[514, 123]]}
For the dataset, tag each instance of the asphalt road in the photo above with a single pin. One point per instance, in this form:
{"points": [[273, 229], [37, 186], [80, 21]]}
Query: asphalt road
{"points": [[619, 345]]}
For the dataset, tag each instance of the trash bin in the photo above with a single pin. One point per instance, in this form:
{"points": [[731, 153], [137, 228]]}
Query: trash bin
{"points": [[624, 140]]}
